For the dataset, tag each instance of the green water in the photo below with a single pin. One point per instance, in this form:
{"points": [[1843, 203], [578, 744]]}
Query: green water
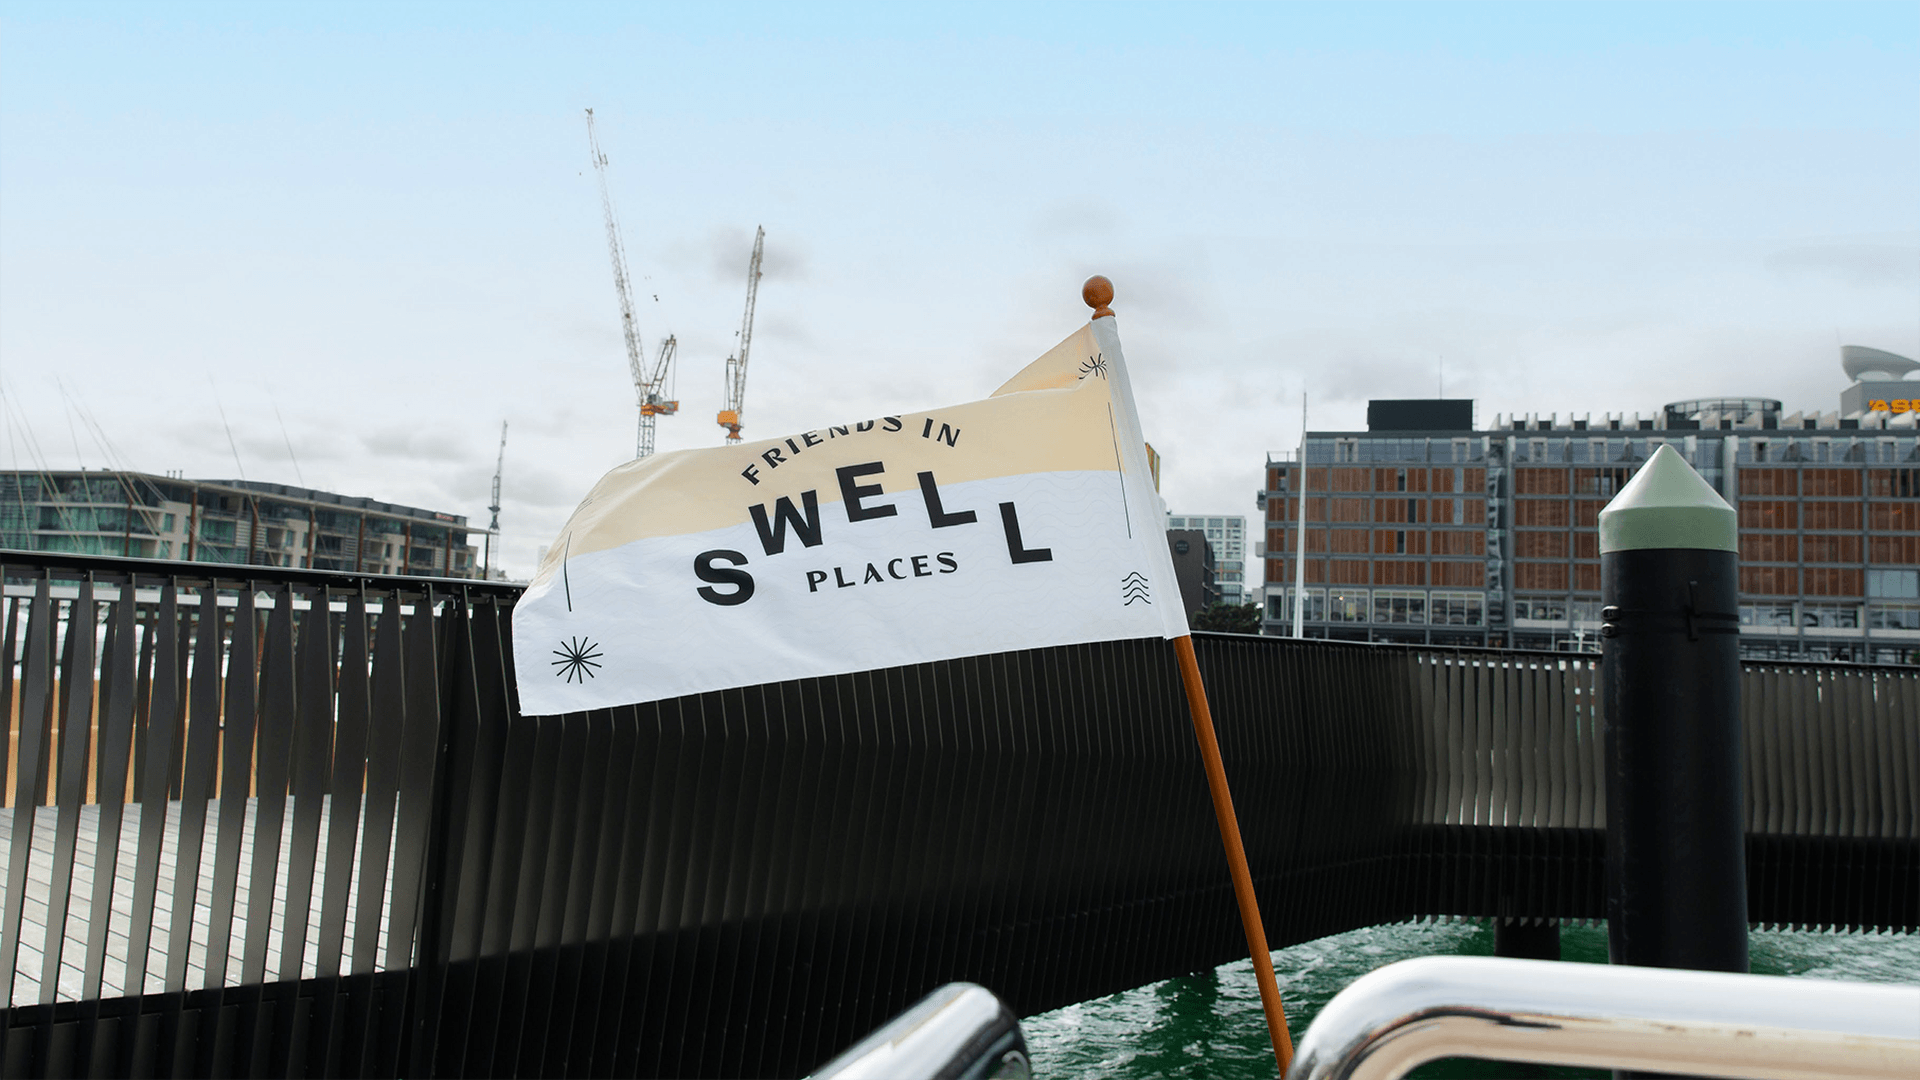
{"points": [[1209, 1026]]}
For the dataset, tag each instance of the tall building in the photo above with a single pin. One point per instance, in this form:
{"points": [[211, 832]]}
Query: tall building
{"points": [[1194, 569], [1424, 528], [228, 521], [1228, 535]]}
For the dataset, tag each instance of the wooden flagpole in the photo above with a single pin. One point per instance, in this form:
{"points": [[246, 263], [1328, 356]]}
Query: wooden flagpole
{"points": [[1098, 293]]}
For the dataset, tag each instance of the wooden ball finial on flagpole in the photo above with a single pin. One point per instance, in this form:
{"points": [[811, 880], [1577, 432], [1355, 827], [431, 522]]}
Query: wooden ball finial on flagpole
{"points": [[1098, 293]]}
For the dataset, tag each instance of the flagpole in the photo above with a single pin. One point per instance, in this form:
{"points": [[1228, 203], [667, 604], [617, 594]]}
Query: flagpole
{"points": [[1098, 294], [1300, 536], [1236, 854]]}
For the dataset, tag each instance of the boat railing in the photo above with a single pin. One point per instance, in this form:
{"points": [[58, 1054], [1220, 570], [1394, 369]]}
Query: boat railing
{"points": [[960, 1031], [1695, 1023]]}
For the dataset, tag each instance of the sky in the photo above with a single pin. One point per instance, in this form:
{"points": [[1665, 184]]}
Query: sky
{"points": [[339, 244]]}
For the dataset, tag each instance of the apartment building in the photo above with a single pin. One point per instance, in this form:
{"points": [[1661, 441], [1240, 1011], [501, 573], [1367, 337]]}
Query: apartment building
{"points": [[1228, 535], [241, 522], [1425, 528]]}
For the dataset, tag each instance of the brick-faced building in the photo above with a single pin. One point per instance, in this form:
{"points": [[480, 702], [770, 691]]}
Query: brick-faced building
{"points": [[1423, 528]]}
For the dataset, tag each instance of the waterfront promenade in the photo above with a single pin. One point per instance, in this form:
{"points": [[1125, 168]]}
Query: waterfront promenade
{"points": [[34, 939]]}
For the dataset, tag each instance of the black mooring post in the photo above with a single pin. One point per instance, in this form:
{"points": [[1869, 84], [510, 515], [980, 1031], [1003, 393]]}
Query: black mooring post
{"points": [[1526, 939], [1676, 860]]}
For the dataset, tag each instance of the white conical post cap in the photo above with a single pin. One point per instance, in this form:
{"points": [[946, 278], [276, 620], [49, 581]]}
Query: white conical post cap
{"points": [[1668, 505]]}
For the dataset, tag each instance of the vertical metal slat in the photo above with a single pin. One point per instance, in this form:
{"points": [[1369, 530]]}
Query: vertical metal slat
{"points": [[76, 691], [30, 780], [163, 721]]}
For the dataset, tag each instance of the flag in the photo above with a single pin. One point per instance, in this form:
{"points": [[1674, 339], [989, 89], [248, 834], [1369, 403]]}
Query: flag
{"points": [[1024, 520]]}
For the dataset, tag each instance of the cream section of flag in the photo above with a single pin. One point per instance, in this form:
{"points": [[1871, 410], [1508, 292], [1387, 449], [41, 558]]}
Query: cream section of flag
{"points": [[1024, 520]]}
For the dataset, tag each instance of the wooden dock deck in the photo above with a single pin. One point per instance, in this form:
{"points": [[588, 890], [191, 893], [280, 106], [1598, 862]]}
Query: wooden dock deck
{"points": [[35, 939]]}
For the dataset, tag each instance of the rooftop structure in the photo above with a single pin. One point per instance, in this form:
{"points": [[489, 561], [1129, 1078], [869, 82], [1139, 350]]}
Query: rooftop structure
{"points": [[1880, 383]]}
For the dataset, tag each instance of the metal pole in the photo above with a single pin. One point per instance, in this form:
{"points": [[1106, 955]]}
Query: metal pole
{"points": [[1300, 534], [1676, 859]]}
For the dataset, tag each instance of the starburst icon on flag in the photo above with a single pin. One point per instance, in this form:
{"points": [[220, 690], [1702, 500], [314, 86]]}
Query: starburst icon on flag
{"points": [[577, 659]]}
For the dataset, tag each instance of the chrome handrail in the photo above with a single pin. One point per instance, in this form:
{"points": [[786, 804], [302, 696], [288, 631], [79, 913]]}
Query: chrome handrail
{"points": [[1699, 1023], [958, 1032]]}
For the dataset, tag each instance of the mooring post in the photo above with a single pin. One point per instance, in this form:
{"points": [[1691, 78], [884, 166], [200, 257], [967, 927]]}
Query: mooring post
{"points": [[1676, 858], [1526, 939]]}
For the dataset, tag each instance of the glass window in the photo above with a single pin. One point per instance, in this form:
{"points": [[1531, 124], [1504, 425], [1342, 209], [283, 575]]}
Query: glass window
{"points": [[1831, 616], [1893, 616], [1766, 614], [1393, 606], [1542, 610], [1416, 608], [1894, 584], [1456, 609], [1348, 605], [1280, 605]]}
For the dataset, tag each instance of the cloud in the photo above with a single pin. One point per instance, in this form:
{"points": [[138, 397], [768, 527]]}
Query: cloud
{"points": [[784, 327], [721, 256], [539, 488], [414, 444], [783, 258], [1854, 264]]}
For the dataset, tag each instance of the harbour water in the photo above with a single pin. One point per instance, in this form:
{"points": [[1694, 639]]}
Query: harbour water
{"points": [[1209, 1027]]}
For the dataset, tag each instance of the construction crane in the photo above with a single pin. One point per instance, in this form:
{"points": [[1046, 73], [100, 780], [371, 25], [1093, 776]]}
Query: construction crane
{"points": [[649, 384], [736, 390], [493, 527]]}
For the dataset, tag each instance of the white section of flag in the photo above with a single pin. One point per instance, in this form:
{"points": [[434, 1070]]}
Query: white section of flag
{"points": [[1138, 476], [628, 624]]}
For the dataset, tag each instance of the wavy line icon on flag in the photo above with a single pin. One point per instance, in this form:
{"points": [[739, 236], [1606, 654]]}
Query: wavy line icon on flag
{"points": [[1134, 587]]}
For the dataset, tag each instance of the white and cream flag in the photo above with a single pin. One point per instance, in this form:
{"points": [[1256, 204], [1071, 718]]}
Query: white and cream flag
{"points": [[1024, 520]]}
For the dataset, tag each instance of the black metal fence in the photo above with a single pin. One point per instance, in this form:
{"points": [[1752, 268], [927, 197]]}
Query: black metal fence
{"points": [[291, 823]]}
